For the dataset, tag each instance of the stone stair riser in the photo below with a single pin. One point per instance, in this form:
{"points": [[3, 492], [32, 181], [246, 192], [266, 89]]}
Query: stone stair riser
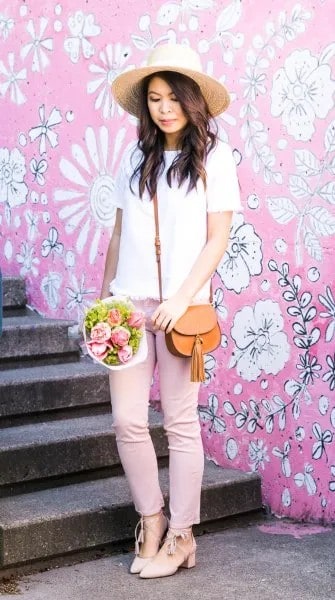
{"points": [[14, 292], [241, 498], [25, 398], [36, 341], [39, 461]]}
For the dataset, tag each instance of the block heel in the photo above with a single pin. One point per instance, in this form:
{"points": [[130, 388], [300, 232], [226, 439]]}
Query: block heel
{"points": [[189, 562]]}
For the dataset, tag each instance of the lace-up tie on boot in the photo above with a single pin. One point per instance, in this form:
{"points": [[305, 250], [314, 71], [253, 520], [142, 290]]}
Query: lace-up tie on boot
{"points": [[154, 527], [177, 551]]}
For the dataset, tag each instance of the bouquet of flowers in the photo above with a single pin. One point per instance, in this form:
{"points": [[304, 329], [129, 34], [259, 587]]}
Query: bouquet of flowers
{"points": [[114, 333]]}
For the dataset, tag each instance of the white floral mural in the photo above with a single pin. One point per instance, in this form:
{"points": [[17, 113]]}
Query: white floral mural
{"points": [[302, 90], [260, 343], [268, 403], [243, 257], [13, 189], [87, 202]]}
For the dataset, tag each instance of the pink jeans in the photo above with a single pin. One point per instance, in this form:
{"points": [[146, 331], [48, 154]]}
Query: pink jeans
{"points": [[130, 390]]}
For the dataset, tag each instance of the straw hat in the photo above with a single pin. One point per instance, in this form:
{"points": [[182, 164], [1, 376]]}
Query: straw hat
{"points": [[169, 57]]}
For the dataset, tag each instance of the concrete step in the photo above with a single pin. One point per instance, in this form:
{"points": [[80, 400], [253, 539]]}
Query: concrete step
{"points": [[87, 515], [40, 451], [30, 337], [23, 311], [30, 393], [14, 292]]}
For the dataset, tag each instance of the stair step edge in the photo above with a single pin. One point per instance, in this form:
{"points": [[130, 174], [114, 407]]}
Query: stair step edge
{"points": [[58, 431], [35, 322], [98, 495], [52, 372]]}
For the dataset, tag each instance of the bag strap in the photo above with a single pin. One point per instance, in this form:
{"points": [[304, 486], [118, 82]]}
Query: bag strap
{"points": [[158, 248], [158, 253]]}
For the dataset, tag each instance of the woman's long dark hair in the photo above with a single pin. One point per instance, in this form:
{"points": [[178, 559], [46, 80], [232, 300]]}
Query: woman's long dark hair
{"points": [[196, 139]]}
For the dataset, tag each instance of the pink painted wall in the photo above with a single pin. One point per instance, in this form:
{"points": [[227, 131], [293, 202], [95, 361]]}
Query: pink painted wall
{"points": [[269, 400]]}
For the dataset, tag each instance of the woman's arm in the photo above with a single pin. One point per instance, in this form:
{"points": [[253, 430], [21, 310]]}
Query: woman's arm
{"points": [[218, 229], [112, 255]]}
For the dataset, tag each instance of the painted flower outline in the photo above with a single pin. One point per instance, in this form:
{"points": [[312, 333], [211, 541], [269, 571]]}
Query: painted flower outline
{"points": [[77, 295], [322, 438], [44, 131], [86, 202], [12, 80], [328, 302], [113, 60], [218, 303], [38, 169], [210, 365], [261, 345], [209, 414], [38, 45], [258, 455], [13, 190], [27, 259], [224, 32], [306, 479], [146, 41], [302, 90], [329, 376], [6, 25], [32, 222], [50, 286], [81, 28], [254, 83], [169, 12], [51, 245], [309, 368], [284, 458], [243, 257]]}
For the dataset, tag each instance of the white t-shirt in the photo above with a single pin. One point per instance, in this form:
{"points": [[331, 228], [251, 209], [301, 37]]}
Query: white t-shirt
{"points": [[182, 224]]}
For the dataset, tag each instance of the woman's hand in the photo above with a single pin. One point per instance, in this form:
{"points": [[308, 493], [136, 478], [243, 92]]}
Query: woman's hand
{"points": [[168, 312]]}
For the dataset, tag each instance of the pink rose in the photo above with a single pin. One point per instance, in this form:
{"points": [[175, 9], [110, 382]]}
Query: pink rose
{"points": [[114, 317], [125, 353], [120, 336], [101, 332], [136, 319], [100, 351]]}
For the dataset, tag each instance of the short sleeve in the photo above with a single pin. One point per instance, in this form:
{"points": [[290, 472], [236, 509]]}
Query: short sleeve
{"points": [[223, 191], [122, 178]]}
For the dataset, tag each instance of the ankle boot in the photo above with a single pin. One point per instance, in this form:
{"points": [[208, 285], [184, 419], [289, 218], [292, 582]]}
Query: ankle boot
{"points": [[155, 526], [172, 555]]}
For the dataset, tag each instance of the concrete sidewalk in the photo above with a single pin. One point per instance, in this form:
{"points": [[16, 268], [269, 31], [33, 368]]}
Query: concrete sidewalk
{"points": [[266, 560]]}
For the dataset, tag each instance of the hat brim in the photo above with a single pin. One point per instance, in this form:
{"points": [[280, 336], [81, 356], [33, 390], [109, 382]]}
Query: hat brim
{"points": [[126, 88]]}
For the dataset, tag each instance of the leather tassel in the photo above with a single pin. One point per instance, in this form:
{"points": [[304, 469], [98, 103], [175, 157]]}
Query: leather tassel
{"points": [[197, 362]]}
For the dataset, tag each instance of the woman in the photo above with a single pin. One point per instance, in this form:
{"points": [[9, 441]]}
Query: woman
{"points": [[177, 156]]}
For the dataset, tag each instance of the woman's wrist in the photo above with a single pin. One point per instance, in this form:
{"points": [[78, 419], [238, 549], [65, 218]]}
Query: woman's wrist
{"points": [[105, 292], [184, 296]]}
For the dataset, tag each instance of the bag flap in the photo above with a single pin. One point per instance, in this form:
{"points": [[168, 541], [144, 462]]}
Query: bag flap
{"points": [[199, 318]]}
